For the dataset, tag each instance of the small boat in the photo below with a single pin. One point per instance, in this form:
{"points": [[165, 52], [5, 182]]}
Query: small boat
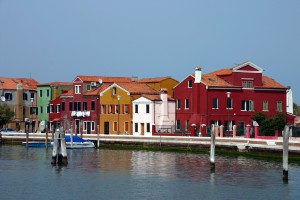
{"points": [[36, 144], [77, 143]]}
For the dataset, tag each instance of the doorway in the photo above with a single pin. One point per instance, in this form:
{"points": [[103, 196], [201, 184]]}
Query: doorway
{"points": [[106, 128], [77, 126], [88, 128], [142, 128]]}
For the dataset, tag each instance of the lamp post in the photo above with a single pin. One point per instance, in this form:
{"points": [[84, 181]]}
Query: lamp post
{"points": [[119, 97], [228, 123]]}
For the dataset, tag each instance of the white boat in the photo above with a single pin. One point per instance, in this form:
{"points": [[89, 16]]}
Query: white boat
{"points": [[77, 143]]}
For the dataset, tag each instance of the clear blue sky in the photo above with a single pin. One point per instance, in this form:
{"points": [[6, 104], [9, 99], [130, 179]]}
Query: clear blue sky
{"points": [[55, 40]]}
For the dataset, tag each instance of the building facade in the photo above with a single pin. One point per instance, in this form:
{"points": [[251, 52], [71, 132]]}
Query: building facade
{"points": [[227, 97], [19, 94]]}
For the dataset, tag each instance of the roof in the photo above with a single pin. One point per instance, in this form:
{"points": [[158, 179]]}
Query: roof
{"points": [[98, 90], [156, 97], [138, 88], [67, 94], [56, 84], [105, 79], [222, 72], [213, 80], [271, 83], [154, 80], [11, 83]]}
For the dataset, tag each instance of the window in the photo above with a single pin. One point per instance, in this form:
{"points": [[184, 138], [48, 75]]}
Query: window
{"points": [[136, 108], [62, 106], [41, 93], [148, 128], [177, 124], [136, 127], [229, 103], [265, 106], [103, 111], [77, 89], [115, 126], [126, 126], [228, 125], [8, 96], [190, 84], [279, 106], [147, 108], [48, 92], [25, 97], [187, 125], [93, 126], [109, 109], [88, 87], [48, 109], [114, 91], [93, 106], [247, 84], [178, 104], [51, 108], [57, 108], [84, 105], [117, 108], [247, 105], [77, 106], [187, 106], [32, 95], [41, 108], [215, 103], [70, 106], [126, 108]]}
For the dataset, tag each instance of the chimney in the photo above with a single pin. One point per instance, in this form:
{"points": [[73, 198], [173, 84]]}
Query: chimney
{"points": [[198, 75]]}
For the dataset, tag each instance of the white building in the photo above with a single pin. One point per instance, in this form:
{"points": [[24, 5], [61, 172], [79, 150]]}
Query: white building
{"points": [[150, 110]]}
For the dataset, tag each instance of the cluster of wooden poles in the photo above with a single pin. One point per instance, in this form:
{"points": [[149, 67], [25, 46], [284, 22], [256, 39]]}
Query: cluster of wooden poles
{"points": [[286, 134]]}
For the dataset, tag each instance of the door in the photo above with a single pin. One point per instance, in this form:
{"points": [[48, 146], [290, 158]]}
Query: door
{"points": [[241, 131], [142, 128], [88, 128], [77, 128], [106, 127]]}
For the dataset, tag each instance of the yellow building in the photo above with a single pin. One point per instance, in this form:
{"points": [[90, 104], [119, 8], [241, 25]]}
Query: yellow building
{"points": [[167, 83], [116, 106]]}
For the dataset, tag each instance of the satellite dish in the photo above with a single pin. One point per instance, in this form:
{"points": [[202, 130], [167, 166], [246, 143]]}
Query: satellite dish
{"points": [[100, 81], [3, 98]]}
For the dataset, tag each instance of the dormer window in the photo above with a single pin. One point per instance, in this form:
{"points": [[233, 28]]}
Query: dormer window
{"points": [[247, 84], [77, 89], [114, 91]]}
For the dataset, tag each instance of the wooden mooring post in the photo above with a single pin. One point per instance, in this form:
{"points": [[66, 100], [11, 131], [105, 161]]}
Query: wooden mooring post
{"points": [[59, 153], [285, 157], [212, 148]]}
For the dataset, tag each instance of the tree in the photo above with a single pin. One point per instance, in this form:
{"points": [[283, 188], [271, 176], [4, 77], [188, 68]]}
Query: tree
{"points": [[296, 109], [259, 117], [6, 115]]}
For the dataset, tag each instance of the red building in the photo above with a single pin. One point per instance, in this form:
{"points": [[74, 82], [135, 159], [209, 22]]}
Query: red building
{"points": [[79, 108], [227, 97]]}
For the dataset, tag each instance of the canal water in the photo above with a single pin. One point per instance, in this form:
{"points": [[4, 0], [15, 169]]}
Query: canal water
{"points": [[125, 174]]}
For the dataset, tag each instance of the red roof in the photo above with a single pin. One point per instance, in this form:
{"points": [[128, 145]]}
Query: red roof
{"points": [[153, 80], [56, 83], [156, 97], [11, 83], [138, 88], [98, 90], [105, 79]]}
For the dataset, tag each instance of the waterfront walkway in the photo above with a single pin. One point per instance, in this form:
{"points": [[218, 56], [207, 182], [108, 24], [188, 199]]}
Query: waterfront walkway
{"points": [[237, 143]]}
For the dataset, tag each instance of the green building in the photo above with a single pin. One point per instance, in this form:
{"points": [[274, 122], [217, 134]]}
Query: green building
{"points": [[45, 93]]}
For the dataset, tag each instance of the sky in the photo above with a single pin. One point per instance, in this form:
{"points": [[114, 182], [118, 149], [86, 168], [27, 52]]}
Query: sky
{"points": [[56, 40]]}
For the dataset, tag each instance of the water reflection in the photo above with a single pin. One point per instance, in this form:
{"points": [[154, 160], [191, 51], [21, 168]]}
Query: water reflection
{"points": [[143, 175]]}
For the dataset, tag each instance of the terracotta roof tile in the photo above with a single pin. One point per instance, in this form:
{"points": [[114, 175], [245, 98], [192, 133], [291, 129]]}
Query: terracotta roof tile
{"points": [[56, 83], [214, 80], [156, 97], [138, 88], [222, 72], [153, 80], [98, 90], [11, 83], [270, 83], [67, 94], [105, 79]]}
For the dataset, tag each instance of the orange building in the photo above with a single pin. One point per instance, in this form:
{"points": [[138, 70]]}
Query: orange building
{"points": [[167, 83]]}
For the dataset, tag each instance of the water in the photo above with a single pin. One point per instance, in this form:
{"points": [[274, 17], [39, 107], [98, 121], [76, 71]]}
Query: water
{"points": [[124, 174]]}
